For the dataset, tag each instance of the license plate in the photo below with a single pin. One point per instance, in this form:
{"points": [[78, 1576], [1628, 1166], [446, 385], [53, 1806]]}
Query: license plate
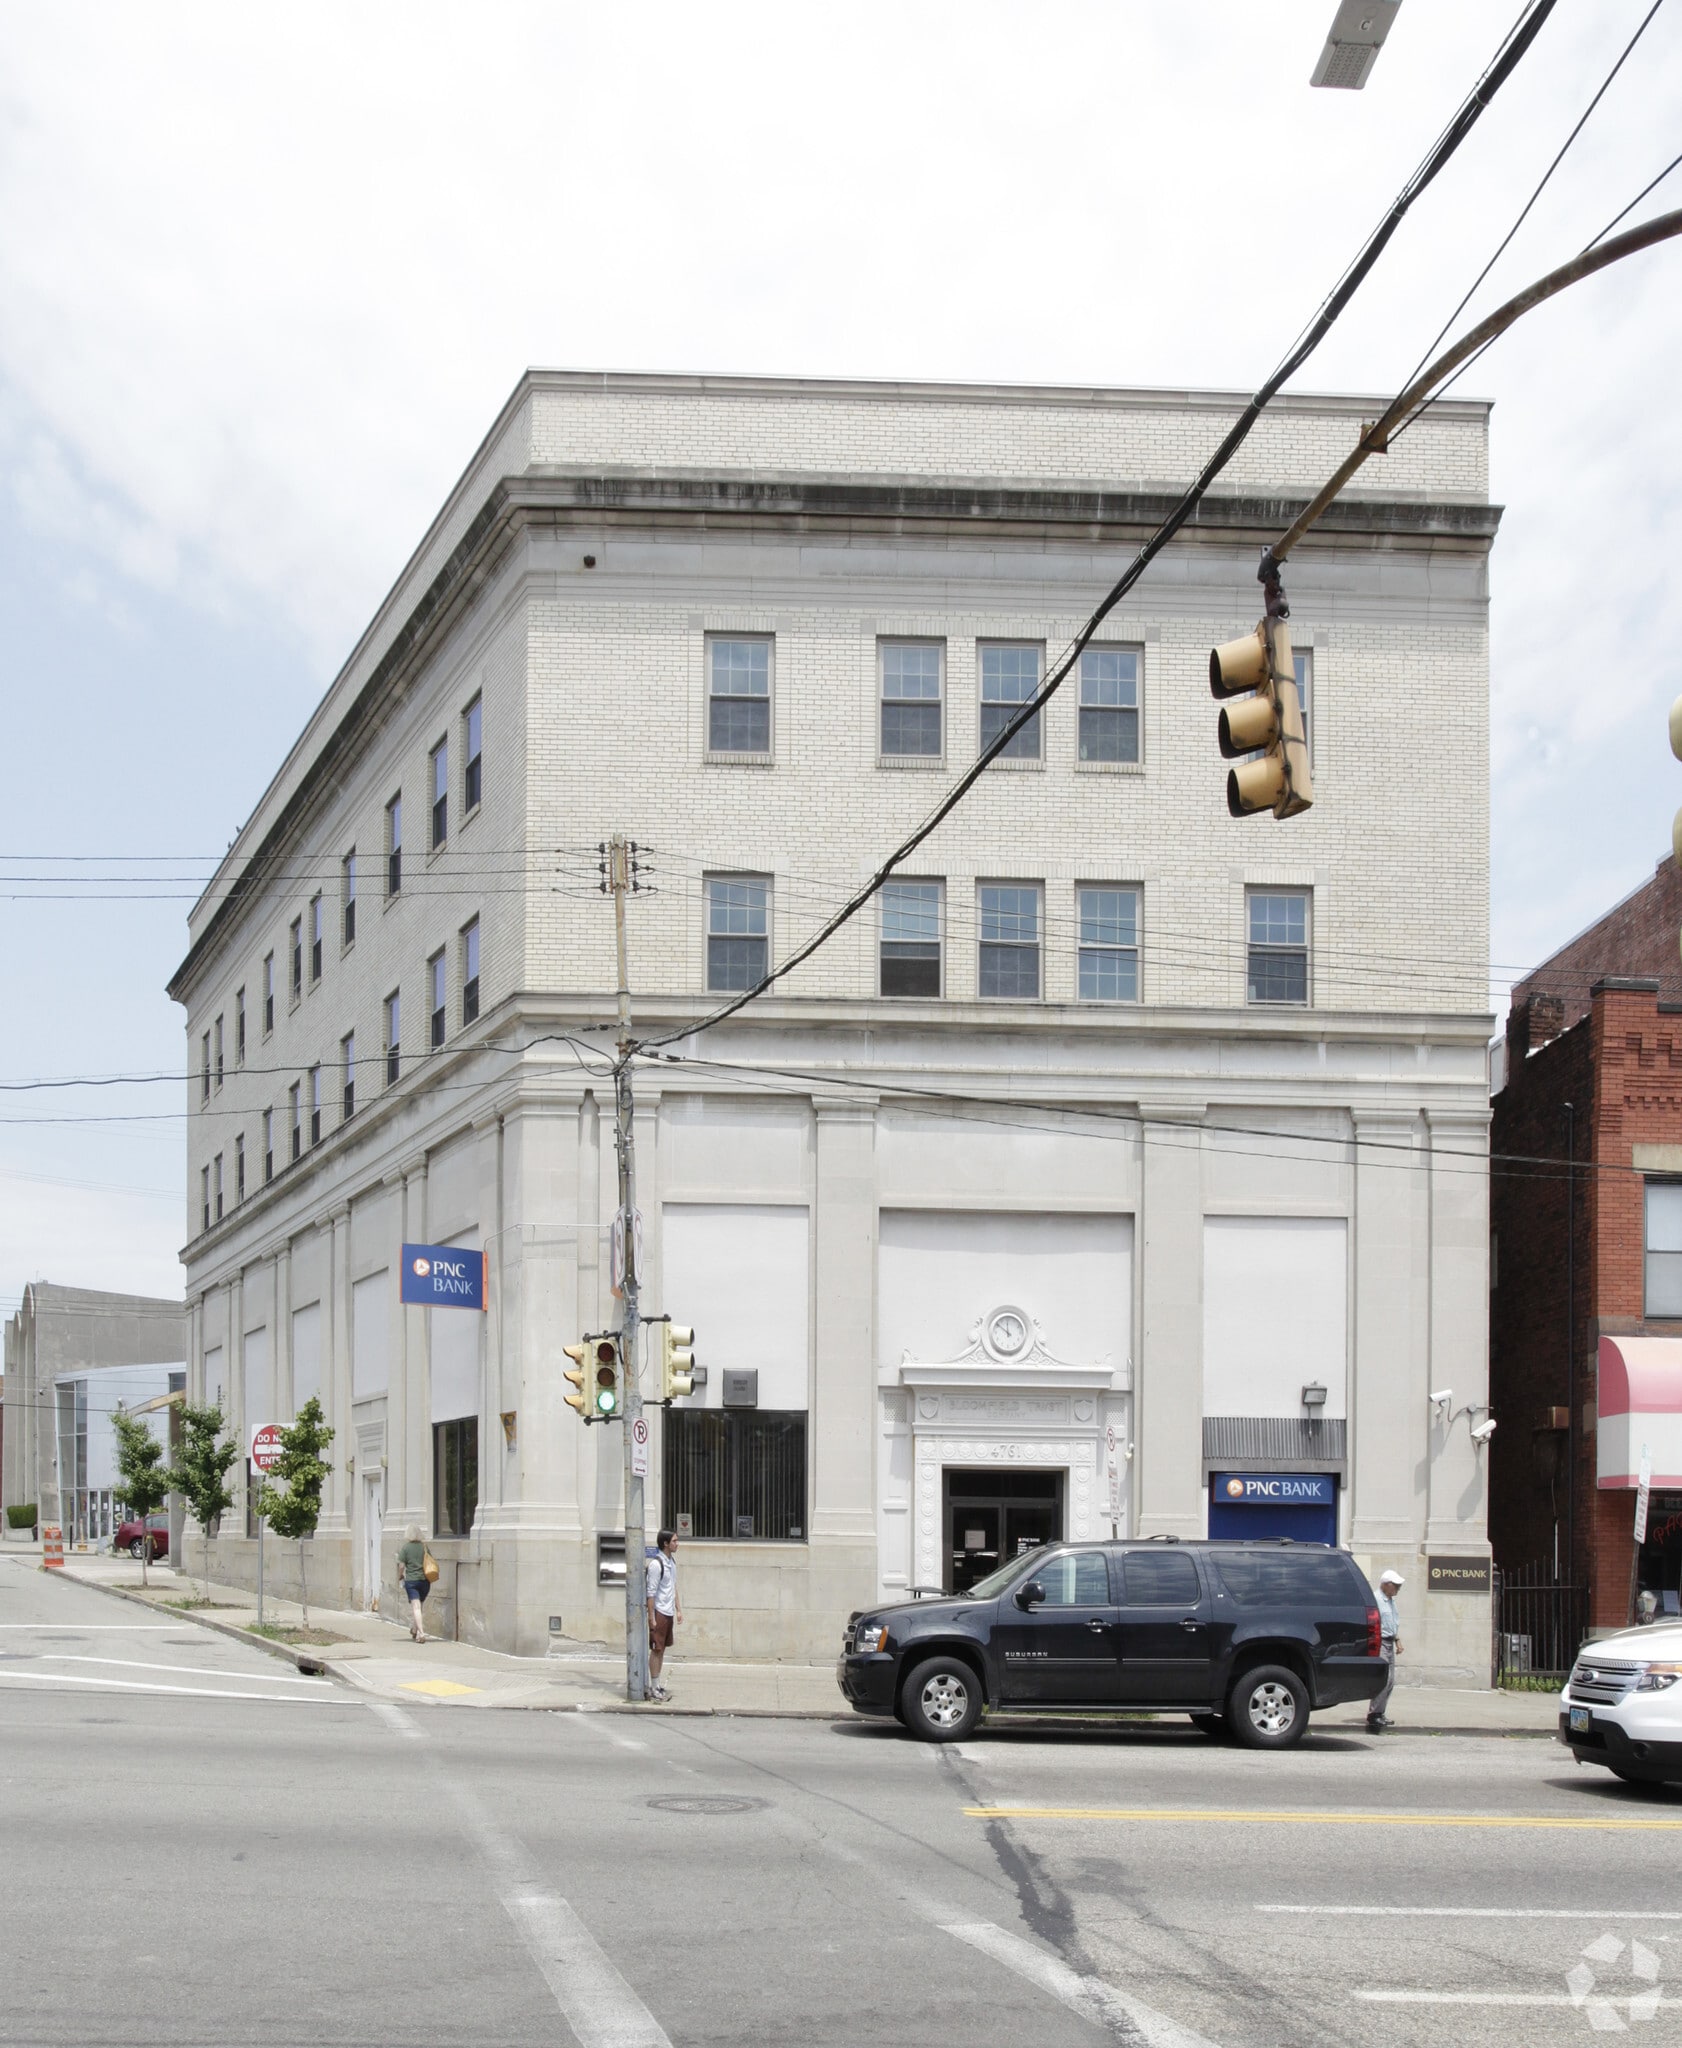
{"points": [[1581, 1720]]}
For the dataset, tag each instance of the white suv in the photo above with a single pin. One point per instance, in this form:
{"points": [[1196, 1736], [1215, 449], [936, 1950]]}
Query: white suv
{"points": [[1622, 1705]]}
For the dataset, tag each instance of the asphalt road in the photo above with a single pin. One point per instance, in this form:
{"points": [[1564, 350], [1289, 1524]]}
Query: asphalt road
{"points": [[202, 1848]]}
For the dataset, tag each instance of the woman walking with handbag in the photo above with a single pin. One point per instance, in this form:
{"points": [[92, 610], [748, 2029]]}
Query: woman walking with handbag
{"points": [[417, 1570]]}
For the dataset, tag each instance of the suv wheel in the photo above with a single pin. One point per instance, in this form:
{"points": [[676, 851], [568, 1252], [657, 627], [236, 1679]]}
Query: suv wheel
{"points": [[941, 1700], [1268, 1708]]}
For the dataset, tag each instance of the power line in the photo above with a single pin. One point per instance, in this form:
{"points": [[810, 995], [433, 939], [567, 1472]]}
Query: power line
{"points": [[1459, 127]]}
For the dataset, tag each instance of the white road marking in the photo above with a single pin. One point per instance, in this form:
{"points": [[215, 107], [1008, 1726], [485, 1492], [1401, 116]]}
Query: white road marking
{"points": [[1473, 1912], [395, 1719], [198, 1692], [1091, 1997], [626, 1741], [1644, 2000], [185, 1670], [93, 1628]]}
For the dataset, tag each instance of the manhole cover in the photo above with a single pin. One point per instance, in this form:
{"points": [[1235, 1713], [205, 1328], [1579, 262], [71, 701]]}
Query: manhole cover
{"points": [[701, 1802]]}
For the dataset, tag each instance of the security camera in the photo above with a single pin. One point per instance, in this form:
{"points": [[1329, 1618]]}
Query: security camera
{"points": [[1442, 1398], [1484, 1430]]}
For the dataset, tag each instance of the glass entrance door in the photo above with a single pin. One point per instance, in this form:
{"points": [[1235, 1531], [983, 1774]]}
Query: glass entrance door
{"points": [[992, 1516]]}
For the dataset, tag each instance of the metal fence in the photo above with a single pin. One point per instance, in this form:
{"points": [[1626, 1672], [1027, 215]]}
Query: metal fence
{"points": [[1539, 1624]]}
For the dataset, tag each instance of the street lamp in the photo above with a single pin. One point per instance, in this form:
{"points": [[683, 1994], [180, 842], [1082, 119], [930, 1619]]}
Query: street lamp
{"points": [[1357, 35]]}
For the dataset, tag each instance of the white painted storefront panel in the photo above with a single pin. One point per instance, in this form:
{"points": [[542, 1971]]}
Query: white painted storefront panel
{"points": [[1275, 1313], [370, 1336], [737, 1274], [455, 1344]]}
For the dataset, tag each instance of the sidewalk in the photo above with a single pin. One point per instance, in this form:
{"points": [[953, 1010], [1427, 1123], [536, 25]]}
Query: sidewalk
{"points": [[376, 1656]]}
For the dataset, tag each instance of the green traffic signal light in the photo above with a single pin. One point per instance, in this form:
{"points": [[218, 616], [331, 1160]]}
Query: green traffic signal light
{"points": [[607, 1378]]}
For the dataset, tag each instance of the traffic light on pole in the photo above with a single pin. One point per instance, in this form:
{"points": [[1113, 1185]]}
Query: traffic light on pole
{"points": [[677, 1361], [579, 1399], [607, 1392], [1261, 724]]}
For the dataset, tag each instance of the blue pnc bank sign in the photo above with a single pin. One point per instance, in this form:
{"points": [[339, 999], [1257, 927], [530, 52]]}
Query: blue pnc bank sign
{"points": [[443, 1276], [1275, 1489]]}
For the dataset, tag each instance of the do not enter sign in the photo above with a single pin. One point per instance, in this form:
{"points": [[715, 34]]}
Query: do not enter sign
{"points": [[265, 1447]]}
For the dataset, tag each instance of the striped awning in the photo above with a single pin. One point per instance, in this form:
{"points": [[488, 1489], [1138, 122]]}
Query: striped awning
{"points": [[1639, 1403]]}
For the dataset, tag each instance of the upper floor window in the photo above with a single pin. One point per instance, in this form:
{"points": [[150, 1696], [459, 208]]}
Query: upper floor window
{"points": [[239, 1169], [1663, 1248], [440, 793], [1109, 945], [471, 774], [315, 1105], [268, 1145], [204, 1194], [439, 1020], [738, 931], [1010, 674], [294, 1103], [393, 1037], [1278, 946], [268, 993], [469, 972], [219, 1060], [739, 696], [216, 1181], [239, 1027], [911, 939], [1302, 660], [1010, 939], [1109, 704], [911, 700], [317, 915], [204, 1068], [347, 889], [347, 1058], [394, 846]]}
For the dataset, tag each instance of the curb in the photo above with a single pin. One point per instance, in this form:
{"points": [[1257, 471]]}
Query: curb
{"points": [[310, 1662]]}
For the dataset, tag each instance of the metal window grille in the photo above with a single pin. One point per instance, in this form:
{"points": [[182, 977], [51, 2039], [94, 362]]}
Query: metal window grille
{"points": [[1009, 677], [1109, 704], [911, 700], [739, 696], [1109, 945], [737, 1475], [455, 1475]]}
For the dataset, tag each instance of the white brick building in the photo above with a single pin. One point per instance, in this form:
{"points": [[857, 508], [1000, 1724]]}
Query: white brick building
{"points": [[758, 625]]}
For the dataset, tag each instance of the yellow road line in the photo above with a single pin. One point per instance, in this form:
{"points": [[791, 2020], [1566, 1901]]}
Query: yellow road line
{"points": [[1345, 1820]]}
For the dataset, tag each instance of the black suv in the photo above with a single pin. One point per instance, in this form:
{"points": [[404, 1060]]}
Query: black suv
{"points": [[1244, 1637]]}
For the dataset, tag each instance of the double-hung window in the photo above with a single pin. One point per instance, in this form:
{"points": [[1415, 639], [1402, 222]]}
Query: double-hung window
{"points": [[317, 914], [239, 1169], [1278, 949], [204, 1068], [239, 1027], [440, 793], [204, 1194], [219, 1058], [911, 939], [1109, 704], [393, 1035], [1010, 675], [472, 776], [469, 972], [348, 884], [1663, 1248], [217, 1182], [347, 1057], [738, 696], [394, 845], [911, 700], [268, 993], [295, 943], [295, 1108], [315, 1105], [1109, 944], [437, 995], [1009, 921], [738, 931], [268, 1146]]}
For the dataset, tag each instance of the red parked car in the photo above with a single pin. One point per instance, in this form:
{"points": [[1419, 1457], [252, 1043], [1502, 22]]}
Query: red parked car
{"points": [[134, 1537]]}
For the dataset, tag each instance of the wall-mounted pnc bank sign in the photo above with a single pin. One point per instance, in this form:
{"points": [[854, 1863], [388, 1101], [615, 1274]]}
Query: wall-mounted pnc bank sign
{"points": [[443, 1276], [1275, 1489]]}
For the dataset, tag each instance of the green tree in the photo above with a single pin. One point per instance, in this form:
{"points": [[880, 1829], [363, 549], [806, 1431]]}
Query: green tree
{"points": [[293, 1506], [201, 1476], [144, 1481]]}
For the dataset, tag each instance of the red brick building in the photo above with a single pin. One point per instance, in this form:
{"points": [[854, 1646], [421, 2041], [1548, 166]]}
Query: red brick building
{"points": [[1586, 1259]]}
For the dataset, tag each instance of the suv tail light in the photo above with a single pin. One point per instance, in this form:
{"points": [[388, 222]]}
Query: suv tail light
{"points": [[1375, 1640]]}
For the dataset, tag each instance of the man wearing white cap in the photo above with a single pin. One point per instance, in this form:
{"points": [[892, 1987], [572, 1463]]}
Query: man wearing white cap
{"points": [[1389, 1585]]}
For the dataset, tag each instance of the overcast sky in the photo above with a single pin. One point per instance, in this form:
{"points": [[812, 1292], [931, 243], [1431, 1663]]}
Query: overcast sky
{"points": [[267, 275]]}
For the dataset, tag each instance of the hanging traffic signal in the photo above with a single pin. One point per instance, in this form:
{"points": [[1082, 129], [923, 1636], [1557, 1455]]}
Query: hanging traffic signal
{"points": [[1263, 732], [578, 1353], [606, 1391], [677, 1361]]}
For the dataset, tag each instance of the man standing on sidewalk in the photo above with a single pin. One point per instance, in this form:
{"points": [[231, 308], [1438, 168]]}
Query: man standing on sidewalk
{"points": [[1389, 1585], [665, 1610]]}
